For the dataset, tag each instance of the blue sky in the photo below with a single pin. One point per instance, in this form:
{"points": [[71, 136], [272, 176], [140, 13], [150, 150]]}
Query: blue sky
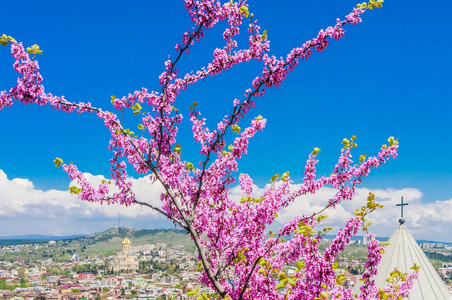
{"points": [[389, 76]]}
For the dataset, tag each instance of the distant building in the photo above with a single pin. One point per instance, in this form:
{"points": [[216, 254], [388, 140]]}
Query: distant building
{"points": [[124, 260], [85, 275], [161, 246], [432, 245], [75, 257], [126, 245]]}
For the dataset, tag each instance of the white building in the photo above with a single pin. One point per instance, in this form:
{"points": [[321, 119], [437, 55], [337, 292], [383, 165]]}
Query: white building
{"points": [[402, 253]]}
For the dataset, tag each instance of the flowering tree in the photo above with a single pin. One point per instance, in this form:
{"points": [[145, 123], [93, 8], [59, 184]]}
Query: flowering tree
{"points": [[239, 258]]}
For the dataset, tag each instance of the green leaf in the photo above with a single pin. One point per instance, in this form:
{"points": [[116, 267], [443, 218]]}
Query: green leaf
{"points": [[4, 40], [137, 106], [141, 126], [236, 128], [392, 141], [58, 162], [315, 151], [264, 35], [415, 267], [274, 178], [362, 158], [284, 176], [244, 9], [177, 148], [192, 293], [75, 190], [340, 279], [257, 200], [282, 276], [280, 285], [34, 50], [245, 199], [301, 265]]}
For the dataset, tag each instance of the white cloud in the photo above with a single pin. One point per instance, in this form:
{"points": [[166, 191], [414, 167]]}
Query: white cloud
{"points": [[25, 210], [144, 189], [430, 221]]}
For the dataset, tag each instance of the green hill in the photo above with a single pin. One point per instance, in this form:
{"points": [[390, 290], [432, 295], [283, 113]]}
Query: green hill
{"points": [[101, 244]]}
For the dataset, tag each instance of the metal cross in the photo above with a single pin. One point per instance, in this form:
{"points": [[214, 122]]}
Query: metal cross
{"points": [[402, 205]]}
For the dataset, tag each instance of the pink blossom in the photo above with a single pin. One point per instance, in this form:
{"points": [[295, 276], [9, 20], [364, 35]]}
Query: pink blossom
{"points": [[239, 255]]}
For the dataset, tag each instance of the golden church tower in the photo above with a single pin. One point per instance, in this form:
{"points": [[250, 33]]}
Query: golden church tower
{"points": [[126, 245]]}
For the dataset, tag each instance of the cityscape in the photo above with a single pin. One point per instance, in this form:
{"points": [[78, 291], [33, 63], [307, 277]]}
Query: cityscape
{"points": [[69, 269], [152, 111]]}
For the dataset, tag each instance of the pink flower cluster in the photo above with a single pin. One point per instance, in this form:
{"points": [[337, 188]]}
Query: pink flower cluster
{"points": [[240, 258]]}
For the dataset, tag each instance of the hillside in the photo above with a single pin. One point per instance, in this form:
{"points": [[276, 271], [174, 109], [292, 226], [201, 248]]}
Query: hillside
{"points": [[109, 241], [102, 244]]}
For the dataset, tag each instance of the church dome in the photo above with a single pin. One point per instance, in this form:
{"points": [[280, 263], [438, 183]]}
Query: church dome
{"points": [[126, 242]]}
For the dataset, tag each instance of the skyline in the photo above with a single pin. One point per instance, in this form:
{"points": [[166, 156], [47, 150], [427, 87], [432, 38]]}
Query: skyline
{"points": [[389, 76]]}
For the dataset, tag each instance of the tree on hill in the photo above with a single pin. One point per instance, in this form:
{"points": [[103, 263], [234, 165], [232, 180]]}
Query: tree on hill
{"points": [[238, 257]]}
